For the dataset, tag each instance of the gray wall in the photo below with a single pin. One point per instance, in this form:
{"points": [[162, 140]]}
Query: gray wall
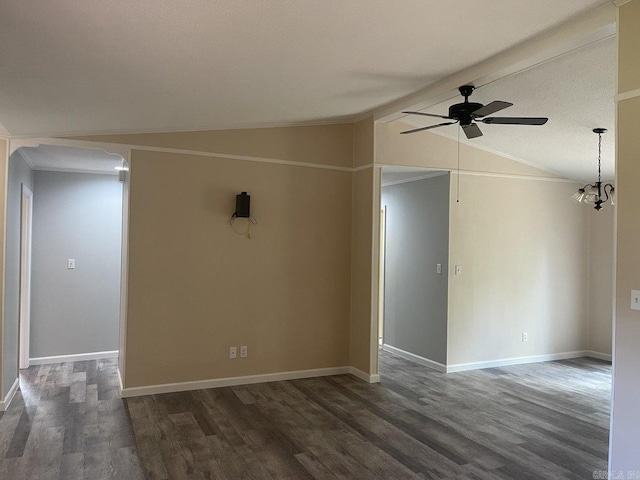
{"points": [[19, 173], [75, 215], [417, 239]]}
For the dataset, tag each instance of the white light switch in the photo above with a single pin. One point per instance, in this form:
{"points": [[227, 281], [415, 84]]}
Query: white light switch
{"points": [[71, 263], [439, 268], [458, 269], [635, 299]]}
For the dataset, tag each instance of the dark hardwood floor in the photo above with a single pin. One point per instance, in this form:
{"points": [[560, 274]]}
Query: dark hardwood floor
{"points": [[536, 421]]}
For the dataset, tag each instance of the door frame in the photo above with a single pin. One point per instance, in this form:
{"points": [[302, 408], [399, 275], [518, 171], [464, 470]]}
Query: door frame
{"points": [[125, 152], [26, 216]]}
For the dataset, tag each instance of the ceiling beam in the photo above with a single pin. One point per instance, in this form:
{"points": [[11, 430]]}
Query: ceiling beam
{"points": [[577, 33]]}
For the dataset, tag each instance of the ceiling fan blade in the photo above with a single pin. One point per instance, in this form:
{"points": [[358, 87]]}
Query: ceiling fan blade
{"points": [[429, 127], [492, 107], [472, 131], [427, 114], [515, 120]]}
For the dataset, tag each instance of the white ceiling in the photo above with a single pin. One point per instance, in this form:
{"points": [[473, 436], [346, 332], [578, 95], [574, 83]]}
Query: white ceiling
{"points": [[71, 159], [118, 66], [576, 91], [69, 67]]}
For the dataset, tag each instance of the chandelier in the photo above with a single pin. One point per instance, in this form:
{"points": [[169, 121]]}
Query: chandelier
{"points": [[596, 193]]}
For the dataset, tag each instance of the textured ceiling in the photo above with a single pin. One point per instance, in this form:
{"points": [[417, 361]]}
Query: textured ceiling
{"points": [[576, 91], [71, 159], [115, 66]]}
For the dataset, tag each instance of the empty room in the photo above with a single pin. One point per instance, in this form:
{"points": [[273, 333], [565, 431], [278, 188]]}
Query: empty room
{"points": [[313, 240]]}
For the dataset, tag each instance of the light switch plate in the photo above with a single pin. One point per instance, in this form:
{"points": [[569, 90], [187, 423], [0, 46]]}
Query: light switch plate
{"points": [[635, 299], [71, 263], [439, 268]]}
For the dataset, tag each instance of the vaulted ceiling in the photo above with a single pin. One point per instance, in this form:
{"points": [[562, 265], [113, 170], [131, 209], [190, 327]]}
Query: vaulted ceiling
{"points": [[69, 67]]}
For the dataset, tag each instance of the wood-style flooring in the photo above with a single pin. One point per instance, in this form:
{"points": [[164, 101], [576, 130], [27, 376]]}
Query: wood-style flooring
{"points": [[537, 421]]}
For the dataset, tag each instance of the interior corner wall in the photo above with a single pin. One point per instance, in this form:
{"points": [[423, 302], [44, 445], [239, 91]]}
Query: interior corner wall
{"points": [[417, 239], [19, 173], [625, 423], [600, 298], [79, 216]]}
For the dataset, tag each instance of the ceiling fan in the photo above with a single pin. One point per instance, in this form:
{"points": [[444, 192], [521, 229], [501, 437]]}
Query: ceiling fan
{"points": [[467, 113]]}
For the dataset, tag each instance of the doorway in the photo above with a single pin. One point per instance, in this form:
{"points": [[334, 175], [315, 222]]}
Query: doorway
{"points": [[70, 253], [414, 250]]}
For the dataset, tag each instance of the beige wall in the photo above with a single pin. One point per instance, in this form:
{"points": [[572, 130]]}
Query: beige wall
{"points": [[323, 144], [196, 287], [626, 387], [440, 153], [363, 142], [521, 243], [601, 238], [523, 252], [362, 228], [628, 48]]}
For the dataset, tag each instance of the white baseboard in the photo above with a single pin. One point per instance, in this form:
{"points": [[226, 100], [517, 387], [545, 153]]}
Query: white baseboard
{"points": [[4, 404], [369, 378], [75, 357], [461, 367], [232, 381], [414, 358], [598, 355]]}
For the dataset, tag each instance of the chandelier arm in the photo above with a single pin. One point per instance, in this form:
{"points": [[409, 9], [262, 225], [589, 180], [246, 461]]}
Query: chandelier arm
{"points": [[608, 193]]}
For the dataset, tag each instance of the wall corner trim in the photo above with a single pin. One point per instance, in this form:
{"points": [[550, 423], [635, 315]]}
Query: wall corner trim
{"points": [[412, 357], [232, 381], [369, 378], [120, 384], [74, 357], [4, 404]]}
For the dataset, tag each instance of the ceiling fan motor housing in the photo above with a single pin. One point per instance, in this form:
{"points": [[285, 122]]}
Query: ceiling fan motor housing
{"points": [[463, 111]]}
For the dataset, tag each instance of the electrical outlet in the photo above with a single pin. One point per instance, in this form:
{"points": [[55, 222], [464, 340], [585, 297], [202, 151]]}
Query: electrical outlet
{"points": [[635, 299], [243, 351], [525, 336], [233, 352]]}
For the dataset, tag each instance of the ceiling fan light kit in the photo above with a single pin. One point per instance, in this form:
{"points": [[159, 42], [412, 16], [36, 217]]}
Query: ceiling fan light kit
{"points": [[597, 193], [467, 114]]}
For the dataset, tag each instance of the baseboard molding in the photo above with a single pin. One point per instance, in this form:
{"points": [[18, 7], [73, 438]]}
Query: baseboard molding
{"points": [[233, 381], [461, 367], [414, 358], [75, 357], [369, 378], [599, 355], [4, 404]]}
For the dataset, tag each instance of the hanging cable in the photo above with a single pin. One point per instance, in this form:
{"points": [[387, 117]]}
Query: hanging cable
{"points": [[247, 232], [458, 186]]}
